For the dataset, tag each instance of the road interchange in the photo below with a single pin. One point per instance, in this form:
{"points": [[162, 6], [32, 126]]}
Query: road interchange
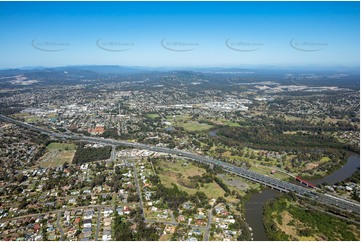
{"points": [[242, 172]]}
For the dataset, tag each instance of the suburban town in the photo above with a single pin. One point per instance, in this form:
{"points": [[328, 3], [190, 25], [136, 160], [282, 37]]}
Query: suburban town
{"points": [[95, 193], [57, 188], [180, 121]]}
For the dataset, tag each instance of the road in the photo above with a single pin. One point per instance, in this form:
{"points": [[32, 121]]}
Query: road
{"points": [[208, 227], [173, 218], [59, 226], [113, 154], [250, 175], [138, 190], [151, 163], [175, 223], [44, 213], [98, 224], [59, 211]]}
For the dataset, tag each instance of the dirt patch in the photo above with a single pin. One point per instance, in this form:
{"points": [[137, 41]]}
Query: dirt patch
{"points": [[290, 226], [311, 166], [285, 227], [177, 178], [227, 154], [171, 174], [165, 237], [187, 183]]}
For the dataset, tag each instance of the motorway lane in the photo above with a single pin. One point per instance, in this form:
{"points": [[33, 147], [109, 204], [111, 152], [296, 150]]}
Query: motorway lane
{"points": [[254, 176]]}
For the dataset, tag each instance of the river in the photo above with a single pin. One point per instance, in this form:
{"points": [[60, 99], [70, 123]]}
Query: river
{"points": [[254, 206], [254, 212], [352, 164]]}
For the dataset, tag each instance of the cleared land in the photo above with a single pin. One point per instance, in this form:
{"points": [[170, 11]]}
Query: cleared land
{"points": [[289, 224], [27, 117], [152, 115], [57, 154], [268, 172], [189, 125], [312, 165], [178, 172], [186, 122], [195, 126]]}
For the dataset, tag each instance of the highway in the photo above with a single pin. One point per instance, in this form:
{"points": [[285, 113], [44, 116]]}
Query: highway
{"points": [[250, 175]]}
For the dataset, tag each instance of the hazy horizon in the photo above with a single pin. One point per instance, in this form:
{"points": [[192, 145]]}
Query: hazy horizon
{"points": [[271, 67]]}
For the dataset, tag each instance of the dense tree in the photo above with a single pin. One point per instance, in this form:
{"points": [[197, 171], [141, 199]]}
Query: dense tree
{"points": [[83, 155], [173, 196], [222, 184], [122, 230]]}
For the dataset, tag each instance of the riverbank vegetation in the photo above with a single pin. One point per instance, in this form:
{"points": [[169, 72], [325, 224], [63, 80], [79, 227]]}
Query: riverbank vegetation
{"points": [[307, 163], [280, 134], [285, 219]]}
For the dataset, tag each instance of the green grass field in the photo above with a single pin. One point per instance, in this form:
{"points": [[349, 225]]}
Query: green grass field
{"points": [[152, 115], [61, 146], [178, 118], [52, 115], [194, 126], [57, 154], [189, 125], [324, 159], [32, 119], [175, 173], [266, 171], [27, 117]]}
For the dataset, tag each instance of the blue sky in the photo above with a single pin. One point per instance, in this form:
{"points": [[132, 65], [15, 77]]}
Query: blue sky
{"points": [[178, 34]]}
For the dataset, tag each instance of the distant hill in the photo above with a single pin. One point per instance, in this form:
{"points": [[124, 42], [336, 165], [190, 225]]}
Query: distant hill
{"points": [[214, 76]]}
